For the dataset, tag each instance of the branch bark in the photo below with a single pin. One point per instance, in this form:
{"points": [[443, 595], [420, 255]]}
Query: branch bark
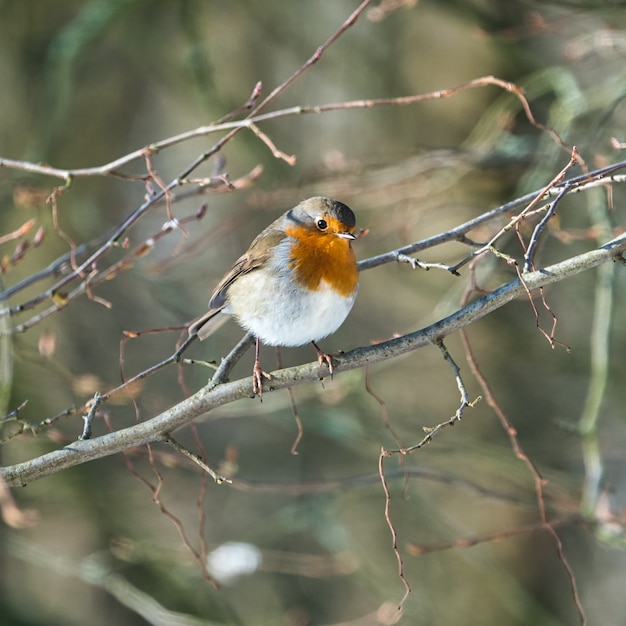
{"points": [[209, 398]]}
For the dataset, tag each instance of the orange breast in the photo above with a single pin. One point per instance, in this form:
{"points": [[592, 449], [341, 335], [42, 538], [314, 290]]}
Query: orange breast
{"points": [[317, 257]]}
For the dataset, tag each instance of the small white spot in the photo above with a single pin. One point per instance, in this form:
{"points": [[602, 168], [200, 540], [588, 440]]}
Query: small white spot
{"points": [[233, 559], [170, 225]]}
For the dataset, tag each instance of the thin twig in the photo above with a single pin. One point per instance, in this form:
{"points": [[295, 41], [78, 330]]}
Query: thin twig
{"points": [[600, 177], [463, 543], [432, 432], [515, 220], [88, 419], [392, 529], [540, 227], [465, 401], [294, 409], [255, 117], [218, 478]]}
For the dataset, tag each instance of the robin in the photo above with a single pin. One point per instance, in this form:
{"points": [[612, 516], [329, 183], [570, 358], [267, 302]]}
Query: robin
{"points": [[296, 283]]}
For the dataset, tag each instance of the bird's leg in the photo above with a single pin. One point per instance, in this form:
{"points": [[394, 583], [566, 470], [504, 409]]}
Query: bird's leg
{"points": [[257, 372], [322, 358]]}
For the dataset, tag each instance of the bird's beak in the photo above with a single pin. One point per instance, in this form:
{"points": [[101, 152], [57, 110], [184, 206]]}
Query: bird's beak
{"points": [[346, 235]]}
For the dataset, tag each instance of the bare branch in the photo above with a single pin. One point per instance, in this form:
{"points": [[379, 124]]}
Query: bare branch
{"points": [[231, 128], [211, 396]]}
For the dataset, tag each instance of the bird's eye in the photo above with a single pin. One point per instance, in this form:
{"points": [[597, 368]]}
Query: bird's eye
{"points": [[322, 224]]}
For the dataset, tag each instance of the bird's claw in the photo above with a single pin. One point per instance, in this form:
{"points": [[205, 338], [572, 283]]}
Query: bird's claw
{"points": [[324, 358], [257, 379]]}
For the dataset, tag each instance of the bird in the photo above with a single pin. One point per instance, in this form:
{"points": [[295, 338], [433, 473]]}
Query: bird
{"points": [[296, 283]]}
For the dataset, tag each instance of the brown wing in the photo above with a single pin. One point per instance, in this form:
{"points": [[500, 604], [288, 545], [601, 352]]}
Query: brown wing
{"points": [[257, 254]]}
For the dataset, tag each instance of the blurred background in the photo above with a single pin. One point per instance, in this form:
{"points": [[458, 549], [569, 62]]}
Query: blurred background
{"points": [[302, 539]]}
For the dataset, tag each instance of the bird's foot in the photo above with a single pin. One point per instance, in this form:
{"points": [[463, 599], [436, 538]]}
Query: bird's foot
{"points": [[257, 379], [324, 359]]}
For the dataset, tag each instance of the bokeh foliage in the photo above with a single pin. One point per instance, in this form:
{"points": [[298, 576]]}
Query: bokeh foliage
{"points": [[85, 82]]}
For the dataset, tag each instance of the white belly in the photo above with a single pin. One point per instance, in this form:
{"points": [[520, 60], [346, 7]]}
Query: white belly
{"points": [[289, 316]]}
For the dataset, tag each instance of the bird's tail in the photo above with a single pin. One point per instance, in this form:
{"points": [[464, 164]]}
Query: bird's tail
{"points": [[208, 323]]}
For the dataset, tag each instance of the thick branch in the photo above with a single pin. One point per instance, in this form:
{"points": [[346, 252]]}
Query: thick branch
{"points": [[210, 398]]}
